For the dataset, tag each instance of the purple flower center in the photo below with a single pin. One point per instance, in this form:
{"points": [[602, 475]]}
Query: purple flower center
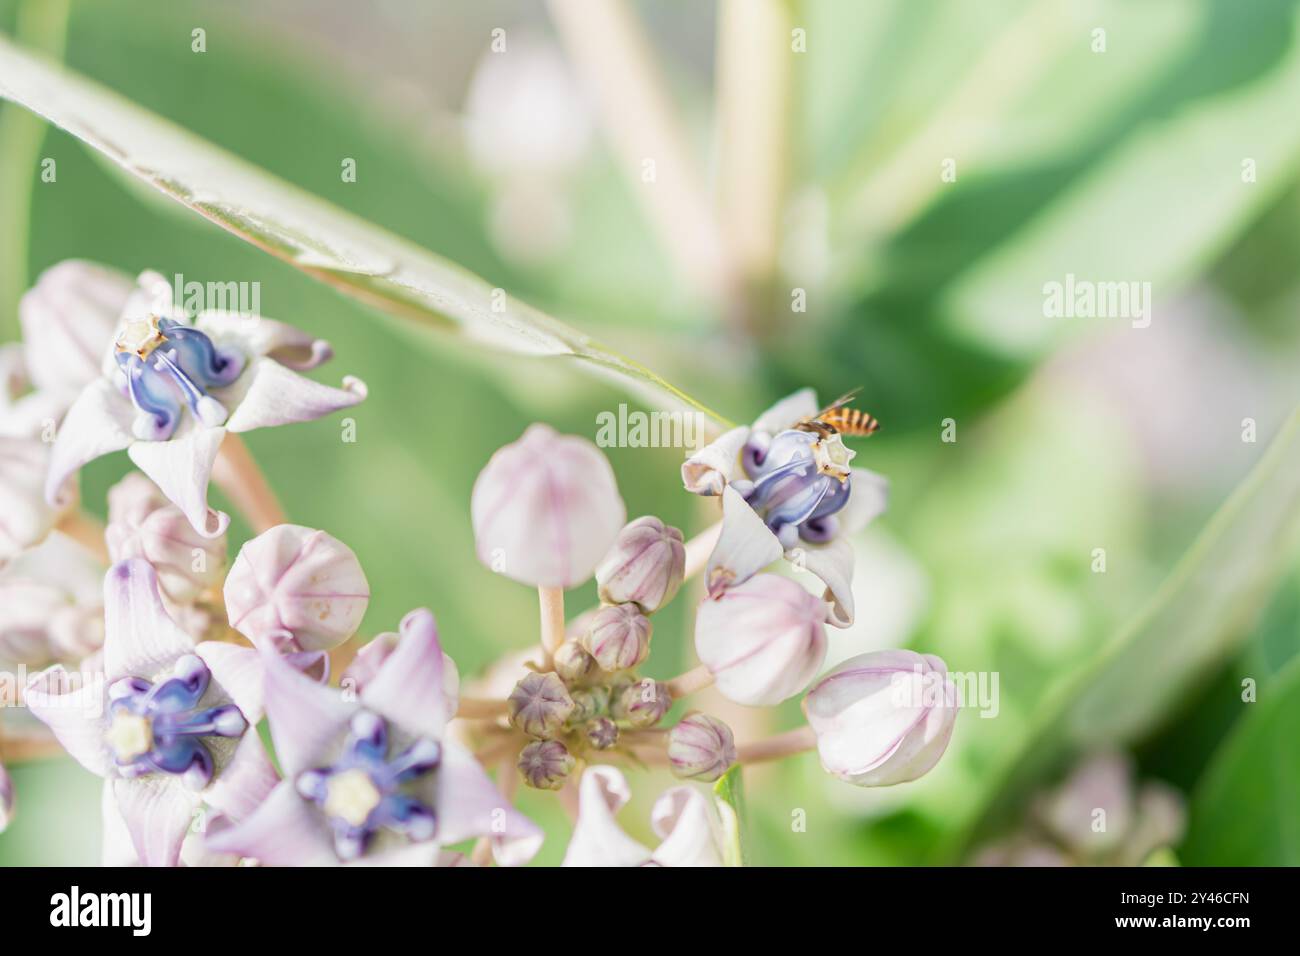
{"points": [[168, 366], [798, 481], [159, 727], [363, 791]]}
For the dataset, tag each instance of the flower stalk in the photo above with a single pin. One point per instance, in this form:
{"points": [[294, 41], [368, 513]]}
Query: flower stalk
{"points": [[792, 742], [237, 473]]}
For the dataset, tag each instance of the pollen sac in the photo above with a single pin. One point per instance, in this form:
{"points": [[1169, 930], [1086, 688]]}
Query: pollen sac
{"points": [[366, 790], [160, 727], [170, 366], [798, 480]]}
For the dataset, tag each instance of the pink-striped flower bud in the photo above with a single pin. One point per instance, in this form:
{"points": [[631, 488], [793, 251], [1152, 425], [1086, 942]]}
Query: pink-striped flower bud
{"points": [[573, 663], [882, 718], [545, 764], [701, 747], [619, 637], [296, 589], [142, 523], [546, 509], [601, 733], [645, 567], [642, 704], [763, 641], [540, 705]]}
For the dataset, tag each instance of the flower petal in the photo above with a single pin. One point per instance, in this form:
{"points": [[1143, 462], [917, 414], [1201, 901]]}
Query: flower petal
{"points": [[711, 468], [867, 501], [140, 638], [597, 838], [274, 395], [245, 782], [71, 704], [238, 671], [68, 319], [97, 424], [688, 823], [285, 830], [746, 546], [305, 717], [833, 563], [411, 687], [116, 848], [181, 468], [470, 805], [158, 812], [788, 412], [257, 335]]}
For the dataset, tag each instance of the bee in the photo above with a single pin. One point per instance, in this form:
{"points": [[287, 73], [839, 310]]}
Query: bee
{"points": [[838, 419]]}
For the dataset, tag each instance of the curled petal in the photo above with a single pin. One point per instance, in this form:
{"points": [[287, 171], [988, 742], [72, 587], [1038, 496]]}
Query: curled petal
{"points": [[470, 805], [306, 718], [788, 412], [298, 582], [142, 523], [181, 467], [257, 335], [285, 830], [68, 319], [833, 563], [687, 821], [597, 838], [25, 517], [71, 704], [158, 813], [416, 686], [867, 502], [711, 469], [238, 671], [747, 545], [97, 424], [245, 782], [275, 395], [140, 638]]}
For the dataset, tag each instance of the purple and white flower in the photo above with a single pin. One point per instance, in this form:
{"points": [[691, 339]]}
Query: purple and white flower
{"points": [[786, 492], [685, 819], [170, 389], [371, 777], [166, 723]]}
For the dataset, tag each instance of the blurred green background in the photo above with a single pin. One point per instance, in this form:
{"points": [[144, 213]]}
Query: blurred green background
{"points": [[1072, 434]]}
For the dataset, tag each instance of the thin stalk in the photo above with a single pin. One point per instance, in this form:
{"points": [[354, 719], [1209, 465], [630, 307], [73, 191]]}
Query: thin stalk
{"points": [[237, 473], [792, 742], [551, 600]]}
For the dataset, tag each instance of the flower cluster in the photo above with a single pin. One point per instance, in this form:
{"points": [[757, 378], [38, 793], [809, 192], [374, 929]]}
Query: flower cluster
{"points": [[159, 658]]}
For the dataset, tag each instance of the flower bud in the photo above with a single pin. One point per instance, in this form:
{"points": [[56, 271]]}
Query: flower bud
{"points": [[601, 733], [8, 800], [589, 702], [540, 705], [295, 589], [645, 567], [142, 523], [545, 764], [546, 509], [572, 663], [701, 747], [619, 637], [882, 718], [642, 704], [762, 640]]}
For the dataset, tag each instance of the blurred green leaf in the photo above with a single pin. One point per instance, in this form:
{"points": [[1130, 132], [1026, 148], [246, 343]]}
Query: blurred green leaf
{"points": [[1194, 622], [730, 791], [341, 250], [1244, 813]]}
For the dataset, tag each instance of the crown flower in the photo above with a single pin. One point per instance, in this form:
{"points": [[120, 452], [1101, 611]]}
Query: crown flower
{"points": [[170, 389], [786, 492]]}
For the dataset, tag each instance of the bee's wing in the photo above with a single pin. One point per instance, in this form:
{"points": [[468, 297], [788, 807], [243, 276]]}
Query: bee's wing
{"points": [[838, 403]]}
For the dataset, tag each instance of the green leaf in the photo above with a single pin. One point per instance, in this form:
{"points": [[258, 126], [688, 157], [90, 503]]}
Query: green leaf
{"points": [[1192, 624], [1244, 812], [730, 791], [339, 249]]}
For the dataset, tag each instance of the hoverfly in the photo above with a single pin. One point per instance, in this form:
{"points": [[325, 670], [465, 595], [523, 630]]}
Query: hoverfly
{"points": [[838, 419]]}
